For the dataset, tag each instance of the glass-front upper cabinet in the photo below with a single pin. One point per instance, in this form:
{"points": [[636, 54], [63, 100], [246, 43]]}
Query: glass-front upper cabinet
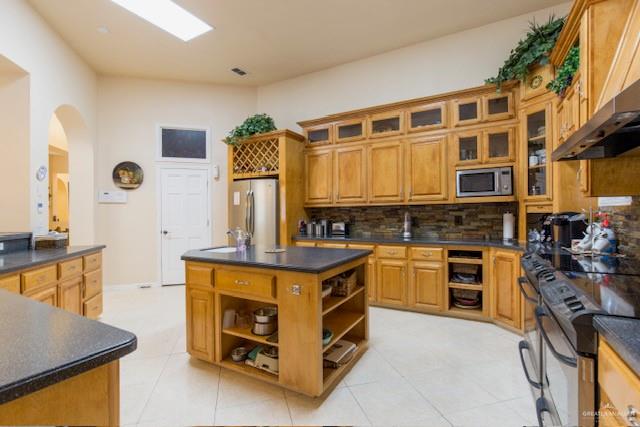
{"points": [[350, 130], [468, 148], [498, 106], [537, 154], [427, 117], [499, 144], [386, 124], [466, 111], [319, 135]]}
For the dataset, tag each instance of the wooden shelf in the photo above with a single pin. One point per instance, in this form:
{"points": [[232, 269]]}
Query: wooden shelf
{"points": [[538, 166], [249, 370], [247, 334], [538, 138], [460, 260], [247, 175], [249, 297], [330, 375], [469, 286], [331, 303], [340, 322], [471, 313]]}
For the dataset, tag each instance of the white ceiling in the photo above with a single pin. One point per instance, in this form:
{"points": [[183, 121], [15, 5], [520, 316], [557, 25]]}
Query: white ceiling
{"points": [[271, 39]]}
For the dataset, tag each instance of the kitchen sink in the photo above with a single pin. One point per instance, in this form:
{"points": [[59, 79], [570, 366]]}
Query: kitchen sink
{"points": [[221, 250]]}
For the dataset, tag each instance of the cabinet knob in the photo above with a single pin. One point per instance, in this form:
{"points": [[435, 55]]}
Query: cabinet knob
{"points": [[242, 282]]}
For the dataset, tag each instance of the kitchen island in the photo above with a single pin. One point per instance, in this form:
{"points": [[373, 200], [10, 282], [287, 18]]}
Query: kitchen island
{"points": [[224, 289], [57, 368]]}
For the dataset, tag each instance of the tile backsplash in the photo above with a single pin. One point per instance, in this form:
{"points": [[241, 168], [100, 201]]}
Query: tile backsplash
{"points": [[625, 222], [459, 221]]}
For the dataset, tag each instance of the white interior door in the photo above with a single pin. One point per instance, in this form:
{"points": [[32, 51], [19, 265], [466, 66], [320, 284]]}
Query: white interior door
{"points": [[184, 218]]}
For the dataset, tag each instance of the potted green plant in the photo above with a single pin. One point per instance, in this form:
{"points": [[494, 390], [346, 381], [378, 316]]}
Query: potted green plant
{"points": [[256, 124], [533, 49], [564, 74]]}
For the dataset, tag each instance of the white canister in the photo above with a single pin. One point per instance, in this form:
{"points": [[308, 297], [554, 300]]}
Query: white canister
{"points": [[533, 160], [508, 225]]}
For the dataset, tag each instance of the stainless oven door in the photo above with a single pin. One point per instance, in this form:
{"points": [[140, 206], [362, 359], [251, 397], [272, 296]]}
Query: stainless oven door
{"points": [[531, 347], [560, 368]]}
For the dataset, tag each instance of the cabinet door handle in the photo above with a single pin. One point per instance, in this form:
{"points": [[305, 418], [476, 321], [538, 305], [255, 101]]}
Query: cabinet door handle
{"points": [[242, 282], [392, 252], [427, 254]]}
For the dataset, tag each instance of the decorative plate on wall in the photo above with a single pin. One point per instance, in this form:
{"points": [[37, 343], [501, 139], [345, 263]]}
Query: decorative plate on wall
{"points": [[127, 175]]}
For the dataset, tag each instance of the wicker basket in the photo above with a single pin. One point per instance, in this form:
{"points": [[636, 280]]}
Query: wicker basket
{"points": [[344, 284]]}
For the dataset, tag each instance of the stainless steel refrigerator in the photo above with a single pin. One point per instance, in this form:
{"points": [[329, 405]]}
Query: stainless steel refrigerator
{"points": [[254, 207]]}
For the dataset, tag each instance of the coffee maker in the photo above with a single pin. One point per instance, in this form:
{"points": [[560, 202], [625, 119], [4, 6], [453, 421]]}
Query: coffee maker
{"points": [[565, 227]]}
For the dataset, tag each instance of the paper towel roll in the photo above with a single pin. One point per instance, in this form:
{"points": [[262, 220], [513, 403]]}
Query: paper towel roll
{"points": [[508, 223]]}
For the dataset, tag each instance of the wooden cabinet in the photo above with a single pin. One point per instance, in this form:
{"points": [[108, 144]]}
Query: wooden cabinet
{"points": [[371, 270], [350, 175], [498, 106], [568, 112], [498, 145], [47, 295], [427, 169], [70, 295], [319, 135], [385, 172], [392, 282], [535, 125], [386, 124], [200, 319], [619, 389], [426, 285], [505, 295], [246, 282], [466, 111], [332, 245], [10, 283], [318, 177], [39, 277], [427, 117], [467, 148], [350, 130], [70, 268]]}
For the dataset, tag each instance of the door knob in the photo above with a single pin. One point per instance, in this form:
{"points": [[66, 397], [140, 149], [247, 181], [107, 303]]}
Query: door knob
{"points": [[165, 232]]}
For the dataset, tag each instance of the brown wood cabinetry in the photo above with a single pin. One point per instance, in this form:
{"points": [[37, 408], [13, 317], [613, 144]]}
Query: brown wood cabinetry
{"points": [[200, 323], [498, 106], [10, 283], [426, 289], [392, 282], [385, 172], [350, 130], [319, 135], [498, 144], [371, 270], [426, 169], [386, 124], [350, 175], [47, 295], [427, 117], [70, 295], [466, 111], [467, 148], [318, 177], [505, 295]]}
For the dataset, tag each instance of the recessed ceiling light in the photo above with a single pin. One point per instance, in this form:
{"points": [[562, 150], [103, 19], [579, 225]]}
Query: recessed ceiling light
{"points": [[103, 30], [239, 71], [168, 16]]}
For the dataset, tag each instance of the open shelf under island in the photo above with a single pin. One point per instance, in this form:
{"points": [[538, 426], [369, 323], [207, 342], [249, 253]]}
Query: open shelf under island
{"points": [[224, 288]]}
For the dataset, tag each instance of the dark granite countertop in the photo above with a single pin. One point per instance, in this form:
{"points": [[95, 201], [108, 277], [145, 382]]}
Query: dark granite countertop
{"points": [[43, 345], [623, 334], [306, 260], [416, 240], [20, 260]]}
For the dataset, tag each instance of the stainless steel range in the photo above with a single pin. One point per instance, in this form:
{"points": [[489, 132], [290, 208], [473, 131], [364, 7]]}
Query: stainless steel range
{"points": [[562, 293]]}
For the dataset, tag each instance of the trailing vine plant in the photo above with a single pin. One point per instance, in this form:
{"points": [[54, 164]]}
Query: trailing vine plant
{"points": [[533, 49], [256, 124], [564, 74]]}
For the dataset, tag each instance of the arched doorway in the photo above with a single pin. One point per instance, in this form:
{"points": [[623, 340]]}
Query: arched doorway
{"points": [[75, 187]]}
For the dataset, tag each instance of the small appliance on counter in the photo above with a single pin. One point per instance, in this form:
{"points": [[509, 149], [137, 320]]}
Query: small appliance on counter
{"points": [[340, 229], [565, 227], [14, 242]]}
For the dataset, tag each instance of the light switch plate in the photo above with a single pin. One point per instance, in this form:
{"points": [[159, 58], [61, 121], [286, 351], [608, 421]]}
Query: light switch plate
{"points": [[112, 197]]}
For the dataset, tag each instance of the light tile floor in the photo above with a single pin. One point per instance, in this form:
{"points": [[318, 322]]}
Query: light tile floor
{"points": [[420, 370]]}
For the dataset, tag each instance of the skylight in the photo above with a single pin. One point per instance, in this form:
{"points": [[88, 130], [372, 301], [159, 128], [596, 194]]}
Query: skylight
{"points": [[168, 16]]}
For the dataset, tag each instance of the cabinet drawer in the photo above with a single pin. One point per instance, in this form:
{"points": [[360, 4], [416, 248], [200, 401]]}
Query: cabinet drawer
{"points": [[92, 284], [397, 252], [11, 283], [306, 244], [199, 275], [618, 381], [93, 262], [70, 268], [364, 247], [261, 285], [40, 277], [427, 254], [92, 308], [333, 245]]}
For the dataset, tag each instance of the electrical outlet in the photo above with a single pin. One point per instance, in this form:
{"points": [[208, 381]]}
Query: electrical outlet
{"points": [[1, 246], [457, 220]]}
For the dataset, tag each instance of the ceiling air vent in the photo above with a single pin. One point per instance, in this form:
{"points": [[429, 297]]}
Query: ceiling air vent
{"points": [[239, 71]]}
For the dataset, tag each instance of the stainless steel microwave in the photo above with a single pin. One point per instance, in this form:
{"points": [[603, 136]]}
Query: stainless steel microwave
{"points": [[484, 182]]}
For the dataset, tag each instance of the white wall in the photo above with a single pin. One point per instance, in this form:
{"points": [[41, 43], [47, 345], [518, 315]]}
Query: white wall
{"points": [[129, 112], [57, 77], [453, 62]]}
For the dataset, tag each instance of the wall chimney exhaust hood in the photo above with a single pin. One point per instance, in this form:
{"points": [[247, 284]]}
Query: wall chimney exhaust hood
{"points": [[612, 131]]}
